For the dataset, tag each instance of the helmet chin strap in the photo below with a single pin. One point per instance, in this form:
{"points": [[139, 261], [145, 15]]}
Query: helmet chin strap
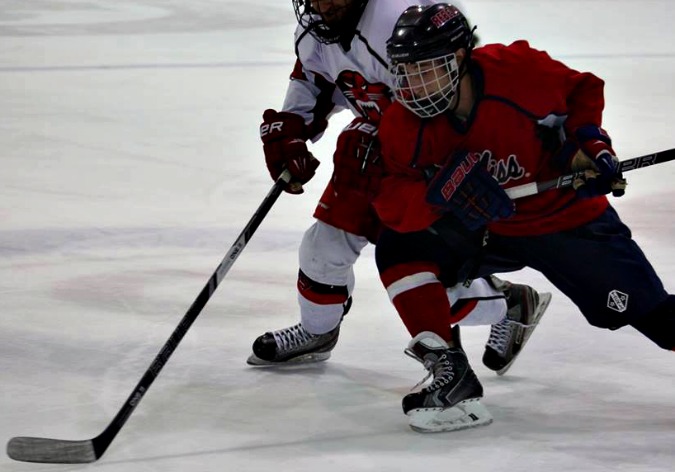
{"points": [[458, 94], [463, 70]]}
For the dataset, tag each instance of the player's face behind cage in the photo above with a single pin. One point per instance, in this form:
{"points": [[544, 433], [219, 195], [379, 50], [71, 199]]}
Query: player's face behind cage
{"points": [[326, 20], [426, 48], [428, 87]]}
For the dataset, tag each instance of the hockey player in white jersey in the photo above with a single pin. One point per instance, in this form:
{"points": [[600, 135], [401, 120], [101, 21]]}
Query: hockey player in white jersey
{"points": [[341, 51]]}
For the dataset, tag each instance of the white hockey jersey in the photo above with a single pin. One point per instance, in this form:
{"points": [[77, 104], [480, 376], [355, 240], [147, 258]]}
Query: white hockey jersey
{"points": [[329, 77]]}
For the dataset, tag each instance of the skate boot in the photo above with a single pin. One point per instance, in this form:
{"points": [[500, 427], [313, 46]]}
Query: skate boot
{"points": [[452, 400], [293, 345], [508, 337]]}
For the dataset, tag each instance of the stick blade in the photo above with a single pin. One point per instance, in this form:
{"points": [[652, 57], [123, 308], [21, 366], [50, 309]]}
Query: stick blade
{"points": [[52, 451]]}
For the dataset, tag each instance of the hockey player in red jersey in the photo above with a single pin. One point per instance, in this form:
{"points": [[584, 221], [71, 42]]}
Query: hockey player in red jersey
{"points": [[468, 124], [341, 50]]}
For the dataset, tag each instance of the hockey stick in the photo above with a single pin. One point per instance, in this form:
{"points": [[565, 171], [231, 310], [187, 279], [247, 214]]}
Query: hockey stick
{"points": [[58, 451], [567, 180]]}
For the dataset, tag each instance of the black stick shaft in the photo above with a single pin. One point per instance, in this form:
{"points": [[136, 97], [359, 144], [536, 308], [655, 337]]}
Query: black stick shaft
{"points": [[567, 180], [63, 451], [190, 316]]}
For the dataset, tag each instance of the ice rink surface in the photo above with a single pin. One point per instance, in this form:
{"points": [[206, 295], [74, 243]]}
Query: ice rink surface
{"points": [[130, 161]]}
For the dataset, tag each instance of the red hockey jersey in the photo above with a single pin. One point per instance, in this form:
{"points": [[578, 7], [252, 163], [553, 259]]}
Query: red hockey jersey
{"points": [[522, 96]]}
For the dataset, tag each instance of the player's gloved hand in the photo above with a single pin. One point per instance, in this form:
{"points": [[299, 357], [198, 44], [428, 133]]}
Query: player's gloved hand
{"points": [[283, 135], [597, 162], [357, 160], [464, 187]]}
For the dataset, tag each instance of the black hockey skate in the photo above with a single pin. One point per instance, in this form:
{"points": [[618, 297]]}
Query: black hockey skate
{"points": [[452, 400], [293, 345], [508, 337]]}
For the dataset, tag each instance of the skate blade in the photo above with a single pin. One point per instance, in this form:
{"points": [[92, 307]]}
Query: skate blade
{"points": [[465, 414], [544, 300], [300, 360]]}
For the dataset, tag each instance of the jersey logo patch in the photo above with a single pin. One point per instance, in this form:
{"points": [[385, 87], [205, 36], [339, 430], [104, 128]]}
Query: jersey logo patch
{"points": [[617, 301], [369, 99], [505, 171]]}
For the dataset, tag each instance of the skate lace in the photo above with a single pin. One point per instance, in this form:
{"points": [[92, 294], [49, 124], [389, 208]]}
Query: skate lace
{"points": [[290, 338], [500, 334], [442, 372]]}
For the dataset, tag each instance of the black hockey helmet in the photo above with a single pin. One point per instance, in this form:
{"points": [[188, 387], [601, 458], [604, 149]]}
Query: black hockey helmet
{"points": [[426, 32], [329, 20], [422, 51]]}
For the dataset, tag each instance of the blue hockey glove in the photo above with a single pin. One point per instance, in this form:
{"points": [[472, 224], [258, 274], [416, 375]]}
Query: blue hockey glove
{"points": [[465, 188]]}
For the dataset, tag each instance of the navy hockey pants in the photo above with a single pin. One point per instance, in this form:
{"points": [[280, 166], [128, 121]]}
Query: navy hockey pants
{"points": [[598, 265]]}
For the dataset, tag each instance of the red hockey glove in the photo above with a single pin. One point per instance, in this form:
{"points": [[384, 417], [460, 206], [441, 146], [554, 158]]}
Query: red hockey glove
{"points": [[465, 188], [283, 137], [357, 160], [594, 156]]}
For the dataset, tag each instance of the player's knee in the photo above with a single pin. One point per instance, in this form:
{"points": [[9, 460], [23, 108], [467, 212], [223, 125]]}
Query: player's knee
{"points": [[659, 324], [322, 294]]}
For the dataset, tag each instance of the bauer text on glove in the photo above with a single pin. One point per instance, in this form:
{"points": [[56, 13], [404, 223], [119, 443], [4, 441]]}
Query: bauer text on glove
{"points": [[357, 161], [283, 135], [464, 187]]}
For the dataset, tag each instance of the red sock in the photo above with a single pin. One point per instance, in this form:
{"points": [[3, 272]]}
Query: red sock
{"points": [[425, 308], [420, 299]]}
